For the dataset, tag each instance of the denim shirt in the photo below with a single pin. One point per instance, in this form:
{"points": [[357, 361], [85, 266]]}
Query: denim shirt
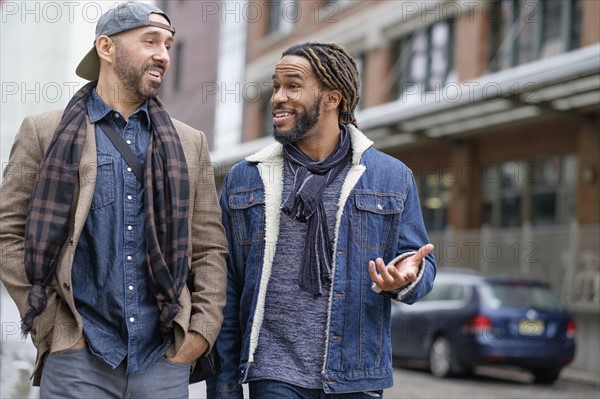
{"points": [[110, 272], [378, 215]]}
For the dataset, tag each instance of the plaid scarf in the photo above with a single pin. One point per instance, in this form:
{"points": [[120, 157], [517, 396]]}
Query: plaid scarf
{"points": [[166, 195], [305, 204]]}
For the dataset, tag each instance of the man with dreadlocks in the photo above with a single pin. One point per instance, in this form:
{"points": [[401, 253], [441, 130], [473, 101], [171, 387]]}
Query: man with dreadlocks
{"points": [[324, 231], [117, 267]]}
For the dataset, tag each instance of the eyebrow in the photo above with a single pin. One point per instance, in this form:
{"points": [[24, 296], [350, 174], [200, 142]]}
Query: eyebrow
{"points": [[157, 33]]}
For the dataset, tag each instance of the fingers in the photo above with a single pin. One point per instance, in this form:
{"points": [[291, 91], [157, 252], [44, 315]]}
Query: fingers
{"points": [[385, 276], [373, 273], [423, 252], [379, 273]]}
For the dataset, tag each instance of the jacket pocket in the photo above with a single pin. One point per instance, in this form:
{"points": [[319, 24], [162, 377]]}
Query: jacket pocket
{"points": [[248, 210], [378, 215], [104, 191]]}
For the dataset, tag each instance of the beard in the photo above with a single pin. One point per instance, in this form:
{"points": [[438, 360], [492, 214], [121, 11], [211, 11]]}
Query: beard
{"points": [[132, 78], [305, 121]]}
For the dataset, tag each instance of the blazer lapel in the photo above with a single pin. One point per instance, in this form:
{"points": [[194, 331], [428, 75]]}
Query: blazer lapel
{"points": [[88, 169]]}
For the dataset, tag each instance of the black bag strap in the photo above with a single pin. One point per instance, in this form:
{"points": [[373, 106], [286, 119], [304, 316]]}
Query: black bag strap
{"points": [[128, 155]]}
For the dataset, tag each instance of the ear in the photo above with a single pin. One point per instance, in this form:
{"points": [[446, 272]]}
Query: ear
{"points": [[105, 48], [333, 98]]}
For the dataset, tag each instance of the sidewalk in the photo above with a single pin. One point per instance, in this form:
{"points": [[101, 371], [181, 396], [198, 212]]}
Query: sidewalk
{"points": [[582, 376]]}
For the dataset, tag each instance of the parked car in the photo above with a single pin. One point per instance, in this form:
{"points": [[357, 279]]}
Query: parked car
{"points": [[469, 319]]}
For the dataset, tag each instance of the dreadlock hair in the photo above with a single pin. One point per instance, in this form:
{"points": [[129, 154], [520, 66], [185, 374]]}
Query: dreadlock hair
{"points": [[336, 70]]}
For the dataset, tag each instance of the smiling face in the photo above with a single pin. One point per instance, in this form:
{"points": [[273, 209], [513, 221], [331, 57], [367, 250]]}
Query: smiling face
{"points": [[296, 100], [142, 59]]}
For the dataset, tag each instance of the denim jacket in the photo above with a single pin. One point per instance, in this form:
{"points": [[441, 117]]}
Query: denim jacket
{"points": [[378, 216]]}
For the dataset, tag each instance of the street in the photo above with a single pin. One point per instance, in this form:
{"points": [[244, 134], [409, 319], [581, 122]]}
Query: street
{"points": [[488, 382]]}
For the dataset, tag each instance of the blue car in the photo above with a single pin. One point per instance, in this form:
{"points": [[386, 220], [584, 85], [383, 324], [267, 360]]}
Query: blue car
{"points": [[469, 319]]}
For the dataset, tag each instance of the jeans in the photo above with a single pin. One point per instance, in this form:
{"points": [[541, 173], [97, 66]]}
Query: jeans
{"points": [[269, 389], [77, 374]]}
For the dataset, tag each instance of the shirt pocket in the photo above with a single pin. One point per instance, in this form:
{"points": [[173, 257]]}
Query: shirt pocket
{"points": [[248, 211], [378, 215], [104, 191]]}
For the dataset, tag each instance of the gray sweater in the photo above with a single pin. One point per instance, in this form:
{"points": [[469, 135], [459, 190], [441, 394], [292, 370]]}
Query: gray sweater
{"points": [[291, 344]]}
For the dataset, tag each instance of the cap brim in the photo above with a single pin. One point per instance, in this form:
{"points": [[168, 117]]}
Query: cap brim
{"points": [[89, 67]]}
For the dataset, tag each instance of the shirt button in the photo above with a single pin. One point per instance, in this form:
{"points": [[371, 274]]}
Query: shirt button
{"points": [[129, 257], [129, 197], [130, 289], [128, 141], [131, 319], [129, 169], [117, 115], [129, 228]]}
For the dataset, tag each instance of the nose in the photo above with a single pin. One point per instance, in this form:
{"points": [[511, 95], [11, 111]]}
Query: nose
{"points": [[162, 55], [278, 97]]}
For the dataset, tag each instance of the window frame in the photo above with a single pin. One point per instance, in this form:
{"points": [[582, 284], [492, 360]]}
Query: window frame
{"points": [[506, 30], [404, 55], [528, 186]]}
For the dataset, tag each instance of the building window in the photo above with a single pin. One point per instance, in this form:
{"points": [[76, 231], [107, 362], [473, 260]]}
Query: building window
{"points": [[178, 60], [283, 15], [527, 30], [267, 115], [540, 192], [423, 59], [434, 193]]}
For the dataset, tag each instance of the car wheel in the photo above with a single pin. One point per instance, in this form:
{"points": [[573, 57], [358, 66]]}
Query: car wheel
{"points": [[441, 358], [546, 375]]}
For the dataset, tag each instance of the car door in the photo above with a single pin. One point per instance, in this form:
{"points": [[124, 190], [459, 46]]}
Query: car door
{"points": [[414, 326]]}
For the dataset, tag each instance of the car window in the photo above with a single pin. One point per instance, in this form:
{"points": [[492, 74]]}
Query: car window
{"points": [[498, 295], [446, 292]]}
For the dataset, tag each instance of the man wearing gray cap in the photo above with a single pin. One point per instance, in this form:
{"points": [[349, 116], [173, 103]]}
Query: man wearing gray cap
{"points": [[110, 227]]}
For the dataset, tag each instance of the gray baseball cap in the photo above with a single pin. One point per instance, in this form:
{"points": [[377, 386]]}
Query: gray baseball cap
{"points": [[124, 17]]}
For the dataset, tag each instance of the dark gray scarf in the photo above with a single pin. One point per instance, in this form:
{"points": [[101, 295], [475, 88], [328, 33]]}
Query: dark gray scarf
{"points": [[305, 205]]}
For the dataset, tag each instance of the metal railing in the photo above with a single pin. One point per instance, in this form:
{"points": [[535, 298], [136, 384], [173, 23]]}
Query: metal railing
{"points": [[565, 256]]}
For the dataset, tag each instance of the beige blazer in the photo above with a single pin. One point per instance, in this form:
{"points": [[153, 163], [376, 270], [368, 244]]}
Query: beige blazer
{"points": [[202, 310]]}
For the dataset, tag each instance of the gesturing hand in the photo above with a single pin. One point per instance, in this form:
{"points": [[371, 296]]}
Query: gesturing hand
{"points": [[395, 276]]}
